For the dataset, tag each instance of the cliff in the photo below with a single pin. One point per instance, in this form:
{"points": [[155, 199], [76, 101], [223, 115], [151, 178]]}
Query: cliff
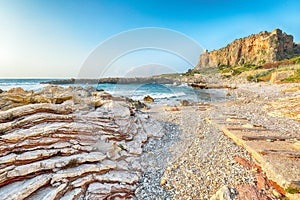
{"points": [[256, 49]]}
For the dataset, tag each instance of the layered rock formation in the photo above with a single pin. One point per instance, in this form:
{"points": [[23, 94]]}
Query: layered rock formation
{"points": [[70, 143], [255, 49]]}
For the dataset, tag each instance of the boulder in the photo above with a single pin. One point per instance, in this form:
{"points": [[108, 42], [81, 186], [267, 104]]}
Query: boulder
{"points": [[278, 76], [148, 99], [184, 103], [102, 95], [137, 104], [17, 90], [173, 108]]}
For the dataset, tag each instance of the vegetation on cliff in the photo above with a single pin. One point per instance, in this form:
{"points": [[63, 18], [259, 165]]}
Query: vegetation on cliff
{"points": [[257, 49]]}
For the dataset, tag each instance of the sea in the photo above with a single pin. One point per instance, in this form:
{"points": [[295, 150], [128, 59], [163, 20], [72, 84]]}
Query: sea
{"points": [[162, 93]]}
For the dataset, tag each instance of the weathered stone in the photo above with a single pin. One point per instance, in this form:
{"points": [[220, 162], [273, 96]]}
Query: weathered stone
{"points": [[71, 195], [184, 103], [71, 145], [8, 159], [223, 194], [22, 189], [173, 108], [148, 99], [118, 176], [279, 75], [100, 191], [54, 163], [248, 192], [261, 181], [17, 90], [242, 161], [78, 171], [54, 193], [255, 49]]}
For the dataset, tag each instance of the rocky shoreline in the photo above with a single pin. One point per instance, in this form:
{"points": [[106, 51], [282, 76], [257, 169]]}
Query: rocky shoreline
{"points": [[138, 80], [71, 143], [75, 143], [205, 160]]}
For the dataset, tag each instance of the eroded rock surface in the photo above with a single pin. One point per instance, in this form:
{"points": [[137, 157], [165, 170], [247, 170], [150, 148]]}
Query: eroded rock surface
{"points": [[256, 49], [70, 143]]}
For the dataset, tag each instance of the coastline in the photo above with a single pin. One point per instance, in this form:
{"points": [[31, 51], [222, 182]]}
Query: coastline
{"points": [[186, 158]]}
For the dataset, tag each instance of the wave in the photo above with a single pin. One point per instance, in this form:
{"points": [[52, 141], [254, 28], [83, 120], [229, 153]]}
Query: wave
{"points": [[167, 95], [158, 96], [25, 86]]}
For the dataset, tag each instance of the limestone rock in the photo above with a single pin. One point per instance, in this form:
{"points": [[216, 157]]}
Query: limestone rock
{"points": [[184, 103], [255, 49], [81, 144], [148, 99], [22, 189], [278, 76], [224, 193]]}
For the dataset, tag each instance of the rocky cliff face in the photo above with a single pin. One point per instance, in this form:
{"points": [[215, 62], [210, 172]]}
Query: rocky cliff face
{"points": [[256, 49]]}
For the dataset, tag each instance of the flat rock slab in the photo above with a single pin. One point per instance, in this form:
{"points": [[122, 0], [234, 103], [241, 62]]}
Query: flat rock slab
{"points": [[275, 153]]}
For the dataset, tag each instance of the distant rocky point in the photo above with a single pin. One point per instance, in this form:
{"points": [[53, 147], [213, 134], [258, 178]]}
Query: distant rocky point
{"points": [[116, 80], [257, 49]]}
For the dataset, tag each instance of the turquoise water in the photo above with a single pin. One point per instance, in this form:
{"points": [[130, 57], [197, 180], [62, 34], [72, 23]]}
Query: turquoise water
{"points": [[27, 84], [170, 94]]}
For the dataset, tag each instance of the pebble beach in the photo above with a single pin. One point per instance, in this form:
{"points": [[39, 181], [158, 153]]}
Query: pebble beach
{"points": [[163, 152], [196, 159]]}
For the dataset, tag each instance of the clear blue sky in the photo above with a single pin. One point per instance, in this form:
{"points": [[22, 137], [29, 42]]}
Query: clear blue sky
{"points": [[52, 38]]}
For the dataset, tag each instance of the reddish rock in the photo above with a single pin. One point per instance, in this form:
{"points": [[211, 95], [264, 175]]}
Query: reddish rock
{"points": [[175, 109], [258, 168], [276, 187], [245, 163], [249, 192], [172, 108], [261, 182]]}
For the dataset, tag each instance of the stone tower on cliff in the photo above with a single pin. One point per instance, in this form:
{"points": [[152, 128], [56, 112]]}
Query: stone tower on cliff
{"points": [[255, 49]]}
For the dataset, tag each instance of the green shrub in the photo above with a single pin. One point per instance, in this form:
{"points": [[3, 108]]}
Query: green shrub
{"points": [[292, 190], [293, 79], [296, 60], [208, 70], [250, 78], [263, 76]]}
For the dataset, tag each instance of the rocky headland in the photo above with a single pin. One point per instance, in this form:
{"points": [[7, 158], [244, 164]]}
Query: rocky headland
{"points": [[264, 47], [117, 80]]}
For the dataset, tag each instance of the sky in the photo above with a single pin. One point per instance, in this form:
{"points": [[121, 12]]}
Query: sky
{"points": [[54, 38]]}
